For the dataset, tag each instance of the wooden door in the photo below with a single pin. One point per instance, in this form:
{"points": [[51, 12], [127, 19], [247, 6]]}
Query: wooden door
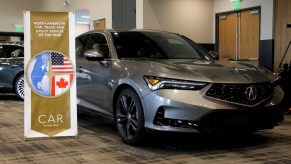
{"points": [[100, 24], [227, 36], [282, 34], [239, 35], [249, 28]]}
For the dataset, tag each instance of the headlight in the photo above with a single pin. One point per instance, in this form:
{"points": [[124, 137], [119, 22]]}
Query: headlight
{"points": [[155, 83]]}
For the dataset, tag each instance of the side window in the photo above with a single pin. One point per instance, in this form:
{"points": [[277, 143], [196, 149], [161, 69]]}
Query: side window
{"points": [[8, 51], [98, 41], [81, 43]]}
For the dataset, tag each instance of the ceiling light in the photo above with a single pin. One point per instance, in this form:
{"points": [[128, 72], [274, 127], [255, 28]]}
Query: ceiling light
{"points": [[82, 22], [84, 16]]}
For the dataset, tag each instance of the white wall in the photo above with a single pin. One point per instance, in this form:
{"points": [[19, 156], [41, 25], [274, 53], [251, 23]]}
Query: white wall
{"points": [[12, 10], [192, 18], [267, 11], [99, 9], [81, 28]]}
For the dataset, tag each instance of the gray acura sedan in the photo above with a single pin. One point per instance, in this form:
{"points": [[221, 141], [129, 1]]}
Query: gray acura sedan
{"points": [[153, 80]]}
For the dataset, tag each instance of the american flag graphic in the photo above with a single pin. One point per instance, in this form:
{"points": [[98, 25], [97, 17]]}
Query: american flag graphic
{"points": [[60, 63]]}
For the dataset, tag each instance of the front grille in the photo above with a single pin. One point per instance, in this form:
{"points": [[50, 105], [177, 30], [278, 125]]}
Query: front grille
{"points": [[236, 120], [240, 93]]}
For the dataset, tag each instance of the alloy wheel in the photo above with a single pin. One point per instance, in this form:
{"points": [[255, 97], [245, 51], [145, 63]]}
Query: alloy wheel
{"points": [[20, 87], [127, 118]]}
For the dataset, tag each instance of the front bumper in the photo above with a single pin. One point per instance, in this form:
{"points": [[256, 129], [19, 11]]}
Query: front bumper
{"points": [[192, 111], [221, 121]]}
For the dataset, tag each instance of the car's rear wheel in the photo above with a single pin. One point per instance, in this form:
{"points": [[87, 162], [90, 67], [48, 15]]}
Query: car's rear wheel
{"points": [[19, 87], [129, 117]]}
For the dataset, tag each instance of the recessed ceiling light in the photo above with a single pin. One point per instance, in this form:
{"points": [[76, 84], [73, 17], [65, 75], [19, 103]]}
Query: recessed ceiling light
{"points": [[83, 16], [82, 23]]}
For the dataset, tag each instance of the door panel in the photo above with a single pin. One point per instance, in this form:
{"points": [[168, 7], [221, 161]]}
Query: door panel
{"points": [[239, 35], [249, 35], [93, 82], [124, 14], [117, 13], [129, 14], [92, 76], [227, 36]]}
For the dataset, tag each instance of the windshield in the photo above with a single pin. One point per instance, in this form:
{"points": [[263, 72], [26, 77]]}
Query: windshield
{"points": [[156, 45]]}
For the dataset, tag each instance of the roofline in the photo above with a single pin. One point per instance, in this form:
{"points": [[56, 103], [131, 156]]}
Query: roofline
{"points": [[18, 43], [125, 30]]}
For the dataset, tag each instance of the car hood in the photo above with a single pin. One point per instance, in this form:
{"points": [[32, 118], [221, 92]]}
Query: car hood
{"points": [[222, 71]]}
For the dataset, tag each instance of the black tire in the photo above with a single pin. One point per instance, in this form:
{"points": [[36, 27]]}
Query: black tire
{"points": [[129, 117], [19, 87]]}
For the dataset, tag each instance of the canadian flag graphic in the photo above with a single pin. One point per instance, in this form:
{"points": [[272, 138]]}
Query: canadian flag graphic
{"points": [[61, 83]]}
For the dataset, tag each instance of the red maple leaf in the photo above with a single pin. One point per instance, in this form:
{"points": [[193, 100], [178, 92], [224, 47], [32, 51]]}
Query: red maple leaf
{"points": [[62, 83]]}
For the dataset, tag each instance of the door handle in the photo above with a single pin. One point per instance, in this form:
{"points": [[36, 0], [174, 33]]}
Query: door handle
{"points": [[80, 69]]}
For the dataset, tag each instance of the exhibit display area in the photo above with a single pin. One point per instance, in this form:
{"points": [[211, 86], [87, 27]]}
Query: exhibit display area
{"points": [[122, 81]]}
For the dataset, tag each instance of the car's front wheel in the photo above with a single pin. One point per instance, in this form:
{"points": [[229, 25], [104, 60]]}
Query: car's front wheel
{"points": [[129, 117], [19, 87]]}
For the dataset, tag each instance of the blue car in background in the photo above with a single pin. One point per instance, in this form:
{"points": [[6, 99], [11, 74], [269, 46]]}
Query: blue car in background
{"points": [[11, 68]]}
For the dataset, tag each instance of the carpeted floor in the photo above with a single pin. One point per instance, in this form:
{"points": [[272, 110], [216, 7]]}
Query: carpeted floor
{"points": [[98, 142]]}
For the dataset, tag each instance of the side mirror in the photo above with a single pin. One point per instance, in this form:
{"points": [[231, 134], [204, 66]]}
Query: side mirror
{"points": [[214, 55], [94, 55]]}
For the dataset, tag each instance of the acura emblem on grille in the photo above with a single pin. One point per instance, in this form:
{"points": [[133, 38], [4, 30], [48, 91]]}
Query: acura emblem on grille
{"points": [[251, 93]]}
